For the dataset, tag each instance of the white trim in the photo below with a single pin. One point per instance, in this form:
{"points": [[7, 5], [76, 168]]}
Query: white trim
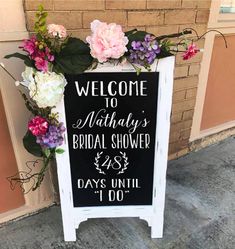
{"points": [[153, 214], [202, 85], [214, 130]]}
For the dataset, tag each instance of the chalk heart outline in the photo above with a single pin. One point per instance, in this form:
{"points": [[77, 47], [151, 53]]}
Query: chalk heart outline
{"points": [[121, 171]]}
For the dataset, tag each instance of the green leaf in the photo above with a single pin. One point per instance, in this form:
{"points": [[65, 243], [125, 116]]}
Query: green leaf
{"points": [[74, 58], [31, 146], [127, 33], [164, 53], [135, 36], [40, 8], [75, 45], [46, 152], [59, 151], [27, 61]]}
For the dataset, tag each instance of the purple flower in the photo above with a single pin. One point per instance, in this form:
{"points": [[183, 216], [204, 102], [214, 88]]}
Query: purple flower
{"points": [[53, 138], [144, 52], [148, 38], [136, 45]]}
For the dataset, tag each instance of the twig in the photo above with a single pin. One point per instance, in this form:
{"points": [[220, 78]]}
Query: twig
{"points": [[186, 32]]}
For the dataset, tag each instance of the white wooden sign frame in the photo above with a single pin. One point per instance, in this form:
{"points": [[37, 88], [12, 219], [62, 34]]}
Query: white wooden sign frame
{"points": [[153, 214]]}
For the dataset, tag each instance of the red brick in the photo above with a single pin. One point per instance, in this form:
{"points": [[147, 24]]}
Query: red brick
{"points": [[126, 4], [80, 33], [181, 72], [174, 136], [188, 115], [71, 20], [33, 4], [180, 17], [179, 96], [202, 16], [185, 124], [138, 18], [79, 4], [191, 93], [194, 69], [162, 30], [178, 146], [166, 4], [183, 106], [185, 83], [105, 16], [185, 134], [196, 4], [176, 117]]}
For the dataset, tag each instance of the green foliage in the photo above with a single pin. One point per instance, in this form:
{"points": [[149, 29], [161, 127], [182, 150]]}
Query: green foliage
{"points": [[46, 152], [27, 61], [31, 146], [165, 48], [59, 151], [74, 58], [40, 23]]}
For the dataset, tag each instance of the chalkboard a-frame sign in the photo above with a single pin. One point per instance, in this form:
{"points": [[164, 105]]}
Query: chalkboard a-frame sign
{"points": [[116, 145]]}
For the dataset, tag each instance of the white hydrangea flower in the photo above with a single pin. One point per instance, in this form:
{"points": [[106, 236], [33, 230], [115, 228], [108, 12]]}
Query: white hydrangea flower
{"points": [[27, 76], [47, 89]]}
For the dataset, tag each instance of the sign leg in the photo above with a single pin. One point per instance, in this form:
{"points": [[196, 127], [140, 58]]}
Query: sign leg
{"points": [[69, 233], [157, 227]]}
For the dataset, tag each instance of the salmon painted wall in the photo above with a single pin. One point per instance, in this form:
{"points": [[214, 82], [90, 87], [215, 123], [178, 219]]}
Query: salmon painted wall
{"points": [[219, 105], [8, 199]]}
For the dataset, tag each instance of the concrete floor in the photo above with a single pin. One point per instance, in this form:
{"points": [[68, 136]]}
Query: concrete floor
{"points": [[199, 214]]}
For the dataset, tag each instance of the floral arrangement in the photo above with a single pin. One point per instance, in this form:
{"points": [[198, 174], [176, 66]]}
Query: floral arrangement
{"points": [[51, 53]]}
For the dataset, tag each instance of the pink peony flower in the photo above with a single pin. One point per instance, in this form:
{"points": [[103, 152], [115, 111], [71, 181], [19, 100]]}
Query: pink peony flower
{"points": [[38, 126], [29, 45], [41, 64], [190, 52], [57, 30], [107, 41]]}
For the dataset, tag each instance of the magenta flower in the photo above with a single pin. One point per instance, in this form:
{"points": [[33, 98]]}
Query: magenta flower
{"points": [[29, 45], [50, 57], [38, 126], [41, 56], [190, 52], [41, 64]]}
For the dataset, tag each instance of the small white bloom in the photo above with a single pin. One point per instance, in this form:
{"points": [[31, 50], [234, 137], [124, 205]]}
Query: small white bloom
{"points": [[17, 83], [27, 76], [47, 89], [2, 65]]}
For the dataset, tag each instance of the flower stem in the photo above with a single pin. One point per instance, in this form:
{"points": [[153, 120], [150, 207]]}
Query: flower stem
{"points": [[185, 32], [42, 171]]}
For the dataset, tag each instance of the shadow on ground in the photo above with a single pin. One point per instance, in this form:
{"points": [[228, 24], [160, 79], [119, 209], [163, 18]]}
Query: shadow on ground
{"points": [[199, 214]]}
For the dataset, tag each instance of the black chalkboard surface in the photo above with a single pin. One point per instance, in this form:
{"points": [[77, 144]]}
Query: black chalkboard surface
{"points": [[111, 124]]}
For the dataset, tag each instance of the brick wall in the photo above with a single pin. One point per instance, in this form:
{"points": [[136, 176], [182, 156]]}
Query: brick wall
{"points": [[154, 16]]}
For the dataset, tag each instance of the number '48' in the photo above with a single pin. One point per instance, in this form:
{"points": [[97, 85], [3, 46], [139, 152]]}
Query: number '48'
{"points": [[114, 163]]}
